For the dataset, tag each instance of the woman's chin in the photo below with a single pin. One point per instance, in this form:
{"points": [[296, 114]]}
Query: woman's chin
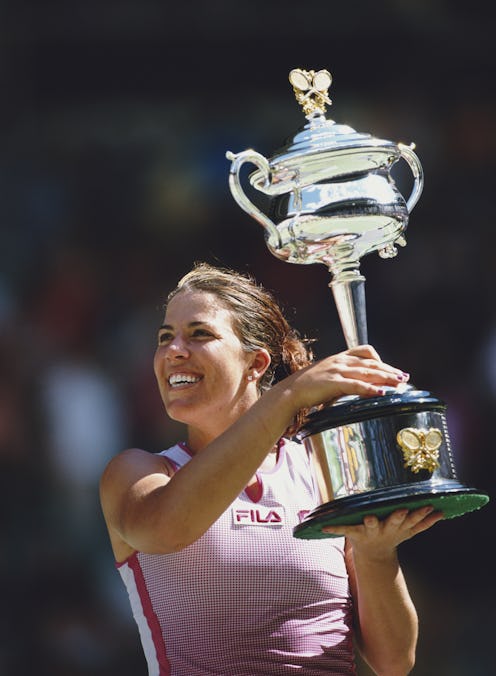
{"points": [[181, 412]]}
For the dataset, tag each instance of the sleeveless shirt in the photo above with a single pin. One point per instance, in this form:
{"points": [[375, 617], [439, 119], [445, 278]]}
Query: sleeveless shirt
{"points": [[247, 598]]}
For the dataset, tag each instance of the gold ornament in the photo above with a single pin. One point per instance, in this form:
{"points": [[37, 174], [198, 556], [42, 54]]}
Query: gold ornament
{"points": [[420, 447], [310, 89]]}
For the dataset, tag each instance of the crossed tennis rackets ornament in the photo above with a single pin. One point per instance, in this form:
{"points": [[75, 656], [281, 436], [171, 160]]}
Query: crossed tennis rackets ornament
{"points": [[310, 89], [420, 448]]}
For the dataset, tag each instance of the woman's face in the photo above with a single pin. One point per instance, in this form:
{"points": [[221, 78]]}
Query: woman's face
{"points": [[200, 365]]}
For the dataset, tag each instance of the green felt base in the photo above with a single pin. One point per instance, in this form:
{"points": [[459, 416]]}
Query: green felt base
{"points": [[452, 504]]}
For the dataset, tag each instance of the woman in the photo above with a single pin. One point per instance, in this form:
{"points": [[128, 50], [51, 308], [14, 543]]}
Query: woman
{"points": [[202, 532]]}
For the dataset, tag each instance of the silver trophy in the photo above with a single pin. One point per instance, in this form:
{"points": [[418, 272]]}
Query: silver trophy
{"points": [[332, 200]]}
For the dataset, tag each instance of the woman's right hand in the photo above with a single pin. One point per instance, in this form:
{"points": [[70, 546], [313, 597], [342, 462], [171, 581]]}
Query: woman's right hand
{"points": [[358, 371]]}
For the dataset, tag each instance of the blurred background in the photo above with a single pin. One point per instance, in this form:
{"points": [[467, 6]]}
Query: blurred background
{"points": [[114, 123]]}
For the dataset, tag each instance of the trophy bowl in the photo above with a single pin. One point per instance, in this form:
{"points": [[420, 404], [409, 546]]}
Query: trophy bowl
{"points": [[332, 200]]}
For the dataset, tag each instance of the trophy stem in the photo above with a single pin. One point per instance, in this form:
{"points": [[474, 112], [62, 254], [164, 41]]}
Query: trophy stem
{"points": [[348, 288]]}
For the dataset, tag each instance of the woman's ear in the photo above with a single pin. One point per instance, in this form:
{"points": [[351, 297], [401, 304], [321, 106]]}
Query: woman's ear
{"points": [[259, 363]]}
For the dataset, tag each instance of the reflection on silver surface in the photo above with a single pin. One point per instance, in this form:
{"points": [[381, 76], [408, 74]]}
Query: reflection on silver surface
{"points": [[331, 198], [365, 456]]}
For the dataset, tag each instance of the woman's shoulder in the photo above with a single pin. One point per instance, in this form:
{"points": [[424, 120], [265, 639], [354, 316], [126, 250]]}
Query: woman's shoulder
{"points": [[129, 465]]}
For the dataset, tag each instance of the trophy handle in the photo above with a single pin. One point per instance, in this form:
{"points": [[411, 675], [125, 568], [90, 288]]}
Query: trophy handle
{"points": [[413, 162], [239, 194]]}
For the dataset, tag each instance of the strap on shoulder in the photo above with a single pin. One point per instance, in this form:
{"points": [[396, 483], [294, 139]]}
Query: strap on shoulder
{"points": [[176, 456]]}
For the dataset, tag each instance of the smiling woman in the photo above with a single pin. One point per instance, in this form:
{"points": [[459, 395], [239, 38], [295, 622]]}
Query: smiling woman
{"points": [[202, 532], [201, 367]]}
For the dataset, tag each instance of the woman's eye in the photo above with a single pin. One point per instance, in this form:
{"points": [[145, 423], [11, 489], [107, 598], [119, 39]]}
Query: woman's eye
{"points": [[201, 333], [164, 338]]}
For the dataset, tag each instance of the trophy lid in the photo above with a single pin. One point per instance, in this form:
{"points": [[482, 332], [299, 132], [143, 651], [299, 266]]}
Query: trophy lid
{"points": [[322, 149], [354, 409]]}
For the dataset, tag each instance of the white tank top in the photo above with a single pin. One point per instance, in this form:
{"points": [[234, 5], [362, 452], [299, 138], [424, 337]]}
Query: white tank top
{"points": [[247, 598]]}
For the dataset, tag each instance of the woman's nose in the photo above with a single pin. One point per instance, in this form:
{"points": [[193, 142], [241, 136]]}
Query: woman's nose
{"points": [[177, 348]]}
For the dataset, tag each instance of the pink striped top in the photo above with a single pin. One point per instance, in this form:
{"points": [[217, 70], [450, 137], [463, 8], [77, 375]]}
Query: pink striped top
{"points": [[247, 599]]}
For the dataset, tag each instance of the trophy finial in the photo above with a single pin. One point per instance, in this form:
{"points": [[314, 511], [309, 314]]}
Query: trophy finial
{"points": [[310, 89]]}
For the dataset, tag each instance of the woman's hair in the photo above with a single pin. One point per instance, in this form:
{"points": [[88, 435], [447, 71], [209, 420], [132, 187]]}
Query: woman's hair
{"points": [[257, 319]]}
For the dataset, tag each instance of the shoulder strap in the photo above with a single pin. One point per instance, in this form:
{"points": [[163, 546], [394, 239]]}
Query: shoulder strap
{"points": [[176, 455]]}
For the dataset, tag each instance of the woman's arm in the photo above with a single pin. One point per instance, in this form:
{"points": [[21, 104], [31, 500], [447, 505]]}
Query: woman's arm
{"points": [[386, 619], [153, 512]]}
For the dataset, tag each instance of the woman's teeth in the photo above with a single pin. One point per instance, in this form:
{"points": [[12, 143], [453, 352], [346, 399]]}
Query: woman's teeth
{"points": [[182, 379]]}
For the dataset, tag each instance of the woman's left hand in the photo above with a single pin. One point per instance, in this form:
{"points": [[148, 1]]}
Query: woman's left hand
{"points": [[374, 538]]}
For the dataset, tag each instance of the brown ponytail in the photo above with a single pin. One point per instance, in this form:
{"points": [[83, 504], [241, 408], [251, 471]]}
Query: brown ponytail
{"points": [[296, 354]]}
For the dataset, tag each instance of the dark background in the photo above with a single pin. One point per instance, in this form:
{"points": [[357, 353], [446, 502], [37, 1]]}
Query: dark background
{"points": [[115, 118]]}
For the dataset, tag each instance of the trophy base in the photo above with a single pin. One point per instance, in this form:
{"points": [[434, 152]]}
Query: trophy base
{"points": [[362, 463], [450, 498]]}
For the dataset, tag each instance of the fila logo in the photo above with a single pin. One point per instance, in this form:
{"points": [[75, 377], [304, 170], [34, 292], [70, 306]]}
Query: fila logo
{"points": [[261, 516]]}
